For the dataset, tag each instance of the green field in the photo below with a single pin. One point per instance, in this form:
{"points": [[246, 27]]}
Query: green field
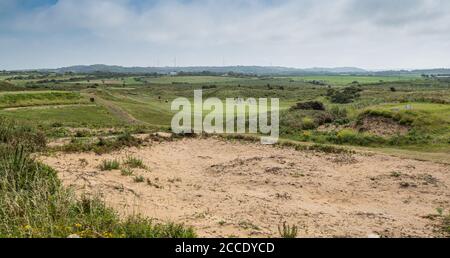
{"points": [[408, 117], [122, 100]]}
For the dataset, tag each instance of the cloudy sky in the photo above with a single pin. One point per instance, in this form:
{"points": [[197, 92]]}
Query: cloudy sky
{"points": [[373, 34]]}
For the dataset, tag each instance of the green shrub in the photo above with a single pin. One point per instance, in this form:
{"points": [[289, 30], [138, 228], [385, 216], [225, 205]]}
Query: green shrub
{"points": [[57, 132], [347, 95], [287, 231], [347, 136], [308, 124]]}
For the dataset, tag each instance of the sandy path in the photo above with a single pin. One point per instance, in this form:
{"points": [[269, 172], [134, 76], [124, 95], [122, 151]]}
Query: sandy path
{"points": [[234, 189]]}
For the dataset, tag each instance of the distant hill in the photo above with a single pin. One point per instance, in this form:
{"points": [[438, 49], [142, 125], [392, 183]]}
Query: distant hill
{"points": [[434, 71], [437, 71], [339, 70], [258, 70]]}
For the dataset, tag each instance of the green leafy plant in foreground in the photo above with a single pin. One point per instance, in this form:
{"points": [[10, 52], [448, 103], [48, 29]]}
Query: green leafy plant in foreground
{"points": [[287, 231]]}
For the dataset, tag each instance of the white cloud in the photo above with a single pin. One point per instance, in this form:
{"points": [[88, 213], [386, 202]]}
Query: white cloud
{"points": [[370, 33]]}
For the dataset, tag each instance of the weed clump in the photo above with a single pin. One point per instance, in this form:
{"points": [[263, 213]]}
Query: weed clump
{"points": [[139, 179], [287, 231], [134, 162], [126, 172], [108, 165]]}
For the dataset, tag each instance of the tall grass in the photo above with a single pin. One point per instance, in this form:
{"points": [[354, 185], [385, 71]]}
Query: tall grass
{"points": [[287, 231], [134, 162], [37, 98], [13, 134]]}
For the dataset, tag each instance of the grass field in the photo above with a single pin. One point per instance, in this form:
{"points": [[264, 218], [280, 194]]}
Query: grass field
{"points": [[146, 100]]}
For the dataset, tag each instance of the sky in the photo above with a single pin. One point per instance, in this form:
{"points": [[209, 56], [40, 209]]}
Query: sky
{"points": [[371, 34]]}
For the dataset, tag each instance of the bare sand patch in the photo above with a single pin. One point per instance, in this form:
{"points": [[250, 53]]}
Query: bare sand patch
{"points": [[245, 189]]}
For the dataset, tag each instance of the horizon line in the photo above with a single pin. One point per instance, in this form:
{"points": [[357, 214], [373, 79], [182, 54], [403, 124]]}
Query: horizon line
{"points": [[226, 66]]}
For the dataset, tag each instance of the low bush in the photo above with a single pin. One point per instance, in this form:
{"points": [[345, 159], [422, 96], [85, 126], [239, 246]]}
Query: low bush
{"points": [[349, 136], [347, 95], [309, 105], [102, 145]]}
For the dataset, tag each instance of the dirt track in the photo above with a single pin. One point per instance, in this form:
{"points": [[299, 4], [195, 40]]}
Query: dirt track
{"points": [[233, 189], [115, 109]]}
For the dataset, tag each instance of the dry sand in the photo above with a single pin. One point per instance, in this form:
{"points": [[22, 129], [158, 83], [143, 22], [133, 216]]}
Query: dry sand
{"points": [[245, 189]]}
